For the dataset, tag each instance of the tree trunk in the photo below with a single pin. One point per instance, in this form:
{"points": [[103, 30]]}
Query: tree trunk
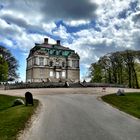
{"points": [[135, 76]]}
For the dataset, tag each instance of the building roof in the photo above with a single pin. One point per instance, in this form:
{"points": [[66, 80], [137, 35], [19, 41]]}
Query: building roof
{"points": [[51, 49], [54, 46]]}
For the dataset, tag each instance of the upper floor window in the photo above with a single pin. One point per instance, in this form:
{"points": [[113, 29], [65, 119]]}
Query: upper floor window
{"points": [[51, 51], [75, 63], [41, 61], [63, 64], [51, 63], [57, 63], [54, 53], [60, 52]]}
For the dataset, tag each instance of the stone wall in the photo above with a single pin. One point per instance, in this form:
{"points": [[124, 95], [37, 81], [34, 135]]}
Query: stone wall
{"points": [[73, 74]]}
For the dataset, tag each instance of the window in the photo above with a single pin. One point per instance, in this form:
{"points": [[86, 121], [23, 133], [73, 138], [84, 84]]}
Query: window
{"points": [[51, 73], [60, 52], [51, 63], [54, 53], [63, 74], [46, 61], [51, 51], [41, 61], [57, 52], [75, 63], [57, 75], [70, 63], [63, 64], [57, 63], [36, 60]]}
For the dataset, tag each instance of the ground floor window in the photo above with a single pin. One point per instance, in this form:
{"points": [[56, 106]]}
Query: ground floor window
{"points": [[63, 74], [57, 75], [51, 73]]}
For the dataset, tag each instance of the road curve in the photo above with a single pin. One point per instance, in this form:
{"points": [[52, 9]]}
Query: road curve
{"points": [[80, 117]]}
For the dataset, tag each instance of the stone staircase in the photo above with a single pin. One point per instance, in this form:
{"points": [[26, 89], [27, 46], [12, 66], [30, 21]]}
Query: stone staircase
{"points": [[76, 85]]}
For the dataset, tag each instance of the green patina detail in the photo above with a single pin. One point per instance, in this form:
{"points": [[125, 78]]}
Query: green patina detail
{"points": [[55, 51], [56, 47], [43, 49]]}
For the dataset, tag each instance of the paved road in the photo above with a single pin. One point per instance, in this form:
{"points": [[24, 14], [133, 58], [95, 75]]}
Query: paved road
{"points": [[81, 117]]}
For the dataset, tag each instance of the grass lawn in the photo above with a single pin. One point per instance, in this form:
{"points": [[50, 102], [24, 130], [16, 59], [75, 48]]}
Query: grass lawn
{"points": [[13, 119], [130, 103]]}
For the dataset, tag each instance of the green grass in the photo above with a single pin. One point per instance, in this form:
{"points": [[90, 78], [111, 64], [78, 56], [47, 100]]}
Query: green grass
{"points": [[13, 119], [130, 103]]}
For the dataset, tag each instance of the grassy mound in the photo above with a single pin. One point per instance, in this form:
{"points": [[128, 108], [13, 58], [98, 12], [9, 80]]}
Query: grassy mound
{"points": [[13, 119], [130, 103]]}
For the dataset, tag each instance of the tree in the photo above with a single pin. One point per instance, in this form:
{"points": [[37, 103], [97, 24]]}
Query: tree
{"points": [[3, 70], [129, 59], [96, 69], [118, 68], [11, 63]]}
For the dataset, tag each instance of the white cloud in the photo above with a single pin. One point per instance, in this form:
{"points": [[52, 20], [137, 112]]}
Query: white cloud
{"points": [[62, 33], [77, 23], [48, 27]]}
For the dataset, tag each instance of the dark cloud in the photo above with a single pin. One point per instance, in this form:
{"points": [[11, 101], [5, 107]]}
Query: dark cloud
{"points": [[136, 18], [69, 9], [22, 23], [53, 9], [15, 5], [14, 20], [8, 32]]}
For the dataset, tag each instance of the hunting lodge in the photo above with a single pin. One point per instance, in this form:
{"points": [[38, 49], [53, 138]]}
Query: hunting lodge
{"points": [[52, 62]]}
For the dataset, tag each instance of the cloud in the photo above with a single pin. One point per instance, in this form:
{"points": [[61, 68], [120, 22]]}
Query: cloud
{"points": [[76, 23], [14, 20], [53, 9], [136, 18], [67, 10]]}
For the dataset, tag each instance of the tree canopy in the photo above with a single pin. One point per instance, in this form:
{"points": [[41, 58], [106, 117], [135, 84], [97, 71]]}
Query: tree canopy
{"points": [[8, 65], [118, 68], [3, 69]]}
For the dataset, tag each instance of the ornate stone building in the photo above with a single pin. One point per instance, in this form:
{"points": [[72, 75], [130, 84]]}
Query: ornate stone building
{"points": [[52, 62]]}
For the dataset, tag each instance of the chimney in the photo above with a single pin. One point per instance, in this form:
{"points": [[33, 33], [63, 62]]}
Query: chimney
{"points": [[58, 42], [45, 40]]}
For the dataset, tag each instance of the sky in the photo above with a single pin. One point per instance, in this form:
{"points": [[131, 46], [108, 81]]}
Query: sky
{"points": [[92, 28]]}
